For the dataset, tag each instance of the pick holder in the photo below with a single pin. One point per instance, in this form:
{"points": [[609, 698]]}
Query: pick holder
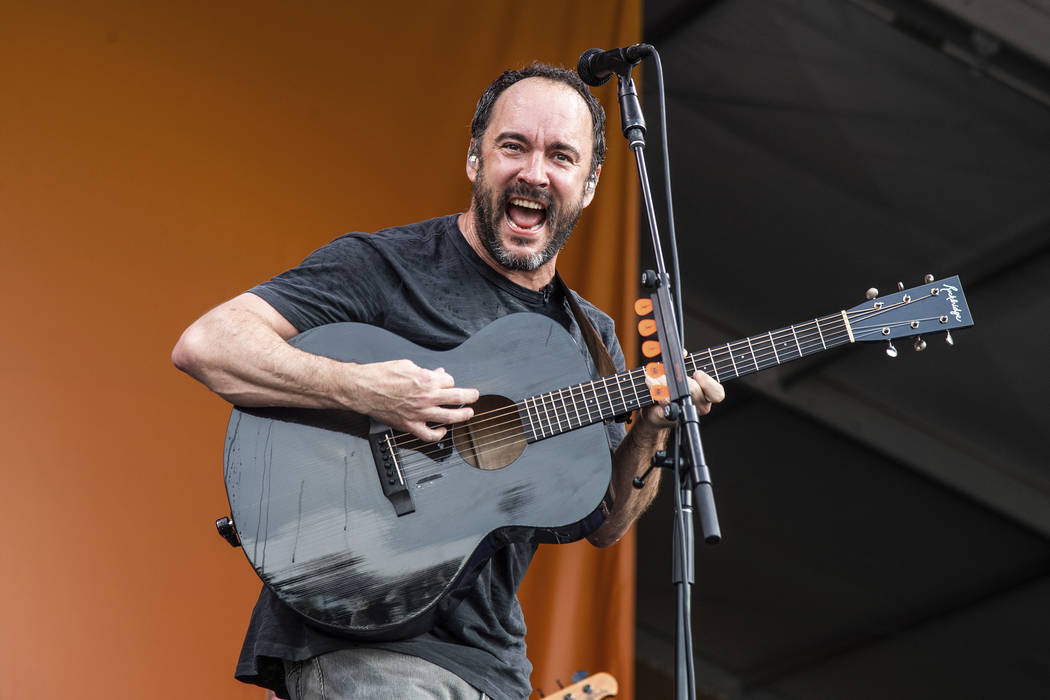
{"points": [[687, 456]]}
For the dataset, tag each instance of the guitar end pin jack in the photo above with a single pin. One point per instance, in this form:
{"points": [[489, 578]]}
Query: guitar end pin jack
{"points": [[228, 531]]}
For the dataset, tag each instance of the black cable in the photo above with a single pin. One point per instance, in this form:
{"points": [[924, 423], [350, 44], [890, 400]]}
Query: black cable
{"points": [[676, 277]]}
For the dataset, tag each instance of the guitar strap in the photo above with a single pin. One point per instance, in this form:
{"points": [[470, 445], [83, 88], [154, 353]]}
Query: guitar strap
{"points": [[599, 353], [602, 360]]}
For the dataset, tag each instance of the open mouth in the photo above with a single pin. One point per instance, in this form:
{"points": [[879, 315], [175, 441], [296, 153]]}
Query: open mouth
{"points": [[526, 214]]}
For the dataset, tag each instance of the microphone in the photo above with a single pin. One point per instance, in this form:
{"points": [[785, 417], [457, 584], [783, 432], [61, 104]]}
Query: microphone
{"points": [[596, 66]]}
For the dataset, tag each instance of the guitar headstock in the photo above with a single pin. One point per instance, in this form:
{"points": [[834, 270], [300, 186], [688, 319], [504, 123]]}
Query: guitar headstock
{"points": [[936, 305], [595, 687]]}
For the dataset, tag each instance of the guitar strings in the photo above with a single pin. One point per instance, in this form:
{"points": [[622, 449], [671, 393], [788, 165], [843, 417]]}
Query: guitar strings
{"points": [[513, 431], [719, 364], [504, 426], [548, 401]]}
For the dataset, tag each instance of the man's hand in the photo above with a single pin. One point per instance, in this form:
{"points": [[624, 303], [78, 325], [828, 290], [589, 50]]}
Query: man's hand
{"points": [[702, 387], [407, 397], [632, 457], [240, 351]]}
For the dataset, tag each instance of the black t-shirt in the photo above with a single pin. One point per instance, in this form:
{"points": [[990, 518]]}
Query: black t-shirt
{"points": [[425, 283]]}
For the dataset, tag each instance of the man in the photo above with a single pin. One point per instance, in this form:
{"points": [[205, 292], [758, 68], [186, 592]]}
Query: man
{"points": [[534, 159]]}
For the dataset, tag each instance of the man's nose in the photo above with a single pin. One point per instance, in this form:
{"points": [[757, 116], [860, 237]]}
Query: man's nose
{"points": [[534, 170]]}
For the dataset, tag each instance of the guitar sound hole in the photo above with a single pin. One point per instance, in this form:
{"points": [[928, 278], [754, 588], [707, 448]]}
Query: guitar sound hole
{"points": [[494, 437]]}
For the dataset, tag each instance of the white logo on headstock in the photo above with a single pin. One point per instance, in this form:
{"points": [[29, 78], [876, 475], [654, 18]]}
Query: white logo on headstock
{"points": [[954, 301]]}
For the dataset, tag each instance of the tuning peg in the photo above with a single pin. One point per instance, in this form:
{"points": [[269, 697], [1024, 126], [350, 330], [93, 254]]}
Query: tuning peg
{"points": [[871, 293], [890, 350], [900, 286], [948, 338], [927, 278], [920, 344]]}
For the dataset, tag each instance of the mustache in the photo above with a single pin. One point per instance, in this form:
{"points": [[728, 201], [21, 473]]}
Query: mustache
{"points": [[520, 189]]}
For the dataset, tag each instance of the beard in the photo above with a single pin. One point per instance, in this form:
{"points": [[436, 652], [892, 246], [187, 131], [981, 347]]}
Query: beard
{"points": [[489, 211]]}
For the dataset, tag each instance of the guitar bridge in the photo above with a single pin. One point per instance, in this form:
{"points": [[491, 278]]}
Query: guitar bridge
{"points": [[391, 477]]}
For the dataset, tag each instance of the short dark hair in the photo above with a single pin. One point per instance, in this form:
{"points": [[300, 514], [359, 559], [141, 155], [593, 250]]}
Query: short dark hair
{"points": [[483, 112]]}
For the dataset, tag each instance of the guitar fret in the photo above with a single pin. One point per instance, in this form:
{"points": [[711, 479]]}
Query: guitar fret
{"points": [[555, 420], [545, 417], [547, 402], [598, 400], [840, 330], [773, 345], [538, 402], [605, 409], [564, 411], [535, 410], [613, 410], [736, 372], [785, 347], [753, 360], [623, 399], [634, 385], [817, 321], [606, 412], [800, 353], [714, 366], [761, 364], [586, 404], [560, 410], [528, 414], [576, 407], [582, 401], [546, 412]]}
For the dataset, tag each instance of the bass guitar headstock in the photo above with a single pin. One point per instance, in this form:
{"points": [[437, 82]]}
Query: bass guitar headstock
{"points": [[934, 306]]}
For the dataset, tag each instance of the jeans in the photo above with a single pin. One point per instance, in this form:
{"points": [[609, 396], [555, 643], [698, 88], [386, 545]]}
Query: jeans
{"points": [[364, 674]]}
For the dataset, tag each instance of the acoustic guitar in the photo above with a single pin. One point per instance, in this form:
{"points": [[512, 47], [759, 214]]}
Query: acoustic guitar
{"points": [[371, 532]]}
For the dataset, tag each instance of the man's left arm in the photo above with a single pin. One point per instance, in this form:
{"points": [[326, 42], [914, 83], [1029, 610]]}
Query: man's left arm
{"points": [[648, 434]]}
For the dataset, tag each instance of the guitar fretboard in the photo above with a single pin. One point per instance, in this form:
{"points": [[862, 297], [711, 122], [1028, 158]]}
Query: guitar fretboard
{"points": [[562, 410]]}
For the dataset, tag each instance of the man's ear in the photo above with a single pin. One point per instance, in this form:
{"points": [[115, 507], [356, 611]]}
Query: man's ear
{"points": [[591, 185], [472, 160]]}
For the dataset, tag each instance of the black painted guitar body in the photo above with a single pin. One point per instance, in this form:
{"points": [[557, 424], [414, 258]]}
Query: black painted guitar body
{"points": [[306, 487]]}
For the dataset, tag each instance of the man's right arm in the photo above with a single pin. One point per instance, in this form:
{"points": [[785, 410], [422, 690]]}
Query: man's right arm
{"points": [[240, 351]]}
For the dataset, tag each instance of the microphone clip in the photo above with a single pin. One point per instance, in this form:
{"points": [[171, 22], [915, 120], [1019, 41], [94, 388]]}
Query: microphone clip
{"points": [[596, 66]]}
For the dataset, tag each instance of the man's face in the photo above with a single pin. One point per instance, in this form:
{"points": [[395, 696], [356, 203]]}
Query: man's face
{"points": [[530, 179]]}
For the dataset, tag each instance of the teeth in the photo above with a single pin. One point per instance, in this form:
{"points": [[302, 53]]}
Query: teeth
{"points": [[526, 204]]}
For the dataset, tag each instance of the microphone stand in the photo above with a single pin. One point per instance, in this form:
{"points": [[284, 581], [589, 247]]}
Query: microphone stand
{"points": [[693, 479]]}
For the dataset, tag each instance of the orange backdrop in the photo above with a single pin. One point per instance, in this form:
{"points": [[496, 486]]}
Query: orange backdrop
{"points": [[158, 158]]}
